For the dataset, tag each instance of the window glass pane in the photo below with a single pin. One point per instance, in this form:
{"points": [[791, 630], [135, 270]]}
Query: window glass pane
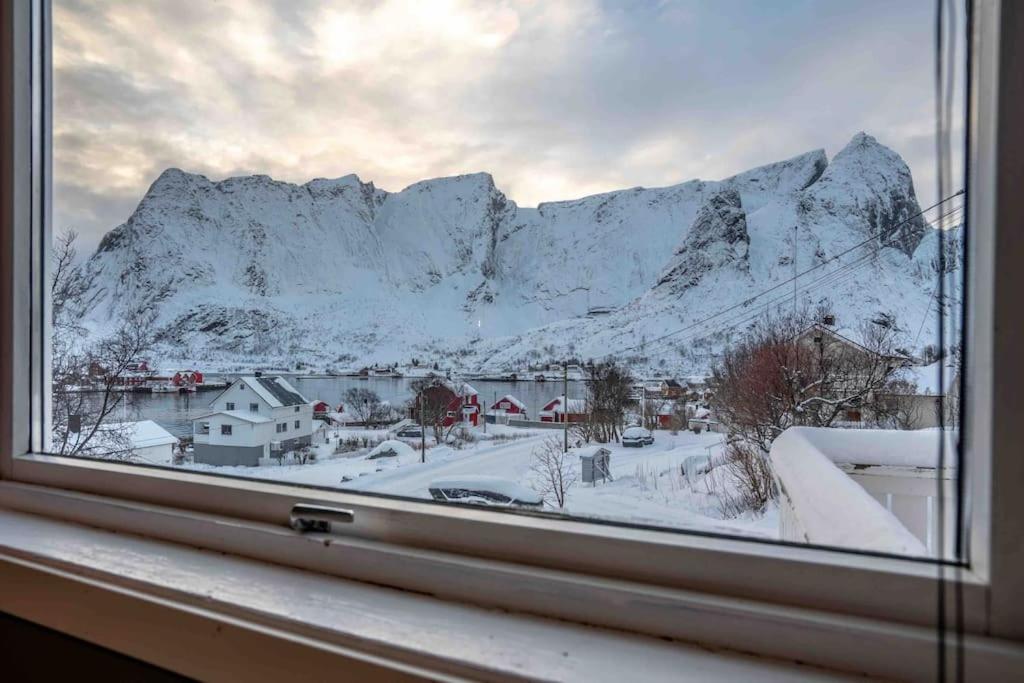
{"points": [[683, 265]]}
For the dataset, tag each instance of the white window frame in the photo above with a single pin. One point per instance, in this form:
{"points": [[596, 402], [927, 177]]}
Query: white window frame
{"points": [[773, 598]]}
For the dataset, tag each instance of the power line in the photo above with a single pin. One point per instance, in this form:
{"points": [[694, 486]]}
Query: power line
{"points": [[832, 278], [749, 300]]}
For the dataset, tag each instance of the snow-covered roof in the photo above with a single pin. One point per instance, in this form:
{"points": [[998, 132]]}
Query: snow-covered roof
{"points": [[590, 451], [511, 399], [878, 447], [576, 406], [461, 388], [505, 487], [926, 377], [399, 448], [828, 506], [274, 391], [243, 415], [143, 433]]}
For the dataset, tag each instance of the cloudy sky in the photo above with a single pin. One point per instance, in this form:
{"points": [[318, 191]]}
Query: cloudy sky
{"points": [[556, 98]]}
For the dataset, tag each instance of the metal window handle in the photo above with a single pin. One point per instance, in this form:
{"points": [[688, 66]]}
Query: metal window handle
{"points": [[306, 517]]}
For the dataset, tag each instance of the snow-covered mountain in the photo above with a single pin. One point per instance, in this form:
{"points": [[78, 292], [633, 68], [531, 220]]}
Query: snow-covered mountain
{"points": [[338, 273]]}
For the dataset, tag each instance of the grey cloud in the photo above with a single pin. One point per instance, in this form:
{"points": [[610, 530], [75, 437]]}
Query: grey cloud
{"points": [[615, 96]]}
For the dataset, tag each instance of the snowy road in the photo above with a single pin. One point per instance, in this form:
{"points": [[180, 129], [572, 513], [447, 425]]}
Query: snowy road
{"points": [[647, 489]]}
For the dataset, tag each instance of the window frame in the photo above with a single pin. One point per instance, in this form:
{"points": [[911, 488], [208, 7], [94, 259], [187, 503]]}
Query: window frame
{"points": [[581, 552]]}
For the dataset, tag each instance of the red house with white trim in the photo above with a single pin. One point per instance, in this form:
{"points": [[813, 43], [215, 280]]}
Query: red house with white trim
{"points": [[555, 411], [510, 405], [321, 407]]}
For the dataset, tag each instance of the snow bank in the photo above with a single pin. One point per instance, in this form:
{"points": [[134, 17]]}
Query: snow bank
{"points": [[821, 505], [389, 449]]}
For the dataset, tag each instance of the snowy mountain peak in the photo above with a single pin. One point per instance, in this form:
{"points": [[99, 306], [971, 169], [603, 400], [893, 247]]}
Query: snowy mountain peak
{"points": [[869, 180]]}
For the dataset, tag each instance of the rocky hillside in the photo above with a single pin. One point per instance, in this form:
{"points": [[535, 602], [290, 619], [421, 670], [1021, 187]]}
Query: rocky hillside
{"points": [[338, 273]]}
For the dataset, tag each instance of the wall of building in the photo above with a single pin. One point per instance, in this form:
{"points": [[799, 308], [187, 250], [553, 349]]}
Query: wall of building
{"points": [[248, 456]]}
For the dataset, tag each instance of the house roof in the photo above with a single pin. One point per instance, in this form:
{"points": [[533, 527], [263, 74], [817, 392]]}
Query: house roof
{"points": [[511, 399], [576, 405], [819, 327], [672, 384], [274, 391], [243, 415], [143, 434]]}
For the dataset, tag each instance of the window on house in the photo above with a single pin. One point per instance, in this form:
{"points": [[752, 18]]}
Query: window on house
{"points": [[803, 286], [229, 406], [225, 430]]}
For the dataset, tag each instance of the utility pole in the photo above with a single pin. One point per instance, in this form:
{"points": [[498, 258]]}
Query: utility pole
{"points": [[423, 432], [643, 405], [795, 235], [565, 406]]}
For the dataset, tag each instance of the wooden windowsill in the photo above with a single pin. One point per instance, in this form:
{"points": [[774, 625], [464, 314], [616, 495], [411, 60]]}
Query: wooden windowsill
{"points": [[214, 616]]}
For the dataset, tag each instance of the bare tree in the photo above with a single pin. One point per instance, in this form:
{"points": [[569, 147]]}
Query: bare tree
{"points": [[608, 394], [785, 373], [365, 404], [429, 405], [651, 409], [752, 484], [89, 374], [554, 470]]}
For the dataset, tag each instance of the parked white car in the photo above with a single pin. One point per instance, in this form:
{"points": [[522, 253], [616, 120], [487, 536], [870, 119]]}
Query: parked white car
{"points": [[637, 436], [483, 490]]}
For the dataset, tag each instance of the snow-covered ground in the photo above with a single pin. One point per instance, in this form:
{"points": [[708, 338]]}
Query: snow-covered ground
{"points": [[648, 486]]}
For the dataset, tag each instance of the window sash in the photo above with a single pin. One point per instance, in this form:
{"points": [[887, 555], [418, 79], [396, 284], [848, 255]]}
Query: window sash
{"points": [[854, 583]]}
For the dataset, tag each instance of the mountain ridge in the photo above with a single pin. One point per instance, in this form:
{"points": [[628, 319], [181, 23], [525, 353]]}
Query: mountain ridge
{"points": [[339, 272]]}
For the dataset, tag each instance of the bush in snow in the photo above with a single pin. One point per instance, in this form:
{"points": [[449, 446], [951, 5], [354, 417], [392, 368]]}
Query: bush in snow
{"points": [[554, 471], [744, 484]]}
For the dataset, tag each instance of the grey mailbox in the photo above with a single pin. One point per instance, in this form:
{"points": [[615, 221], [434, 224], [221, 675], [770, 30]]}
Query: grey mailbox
{"points": [[597, 465]]}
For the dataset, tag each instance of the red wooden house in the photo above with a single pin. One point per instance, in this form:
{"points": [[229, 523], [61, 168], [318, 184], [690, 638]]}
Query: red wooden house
{"points": [[321, 407], [460, 402], [185, 378], [509, 405], [555, 411]]}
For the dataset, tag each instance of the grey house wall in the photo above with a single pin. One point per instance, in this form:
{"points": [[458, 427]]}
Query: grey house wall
{"points": [[207, 454]]}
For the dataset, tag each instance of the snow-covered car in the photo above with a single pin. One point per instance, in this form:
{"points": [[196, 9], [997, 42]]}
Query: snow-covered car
{"points": [[484, 490], [637, 436], [410, 432]]}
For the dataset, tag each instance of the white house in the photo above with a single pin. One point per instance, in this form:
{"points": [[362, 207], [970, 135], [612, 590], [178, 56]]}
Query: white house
{"points": [[146, 440], [254, 418]]}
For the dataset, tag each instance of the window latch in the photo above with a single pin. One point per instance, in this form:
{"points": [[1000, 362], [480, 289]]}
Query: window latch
{"points": [[306, 517]]}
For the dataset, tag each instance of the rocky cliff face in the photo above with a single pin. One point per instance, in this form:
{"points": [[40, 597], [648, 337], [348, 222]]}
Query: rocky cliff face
{"points": [[338, 272]]}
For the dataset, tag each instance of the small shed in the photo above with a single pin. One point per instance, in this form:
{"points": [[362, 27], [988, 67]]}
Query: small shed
{"points": [[596, 462]]}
